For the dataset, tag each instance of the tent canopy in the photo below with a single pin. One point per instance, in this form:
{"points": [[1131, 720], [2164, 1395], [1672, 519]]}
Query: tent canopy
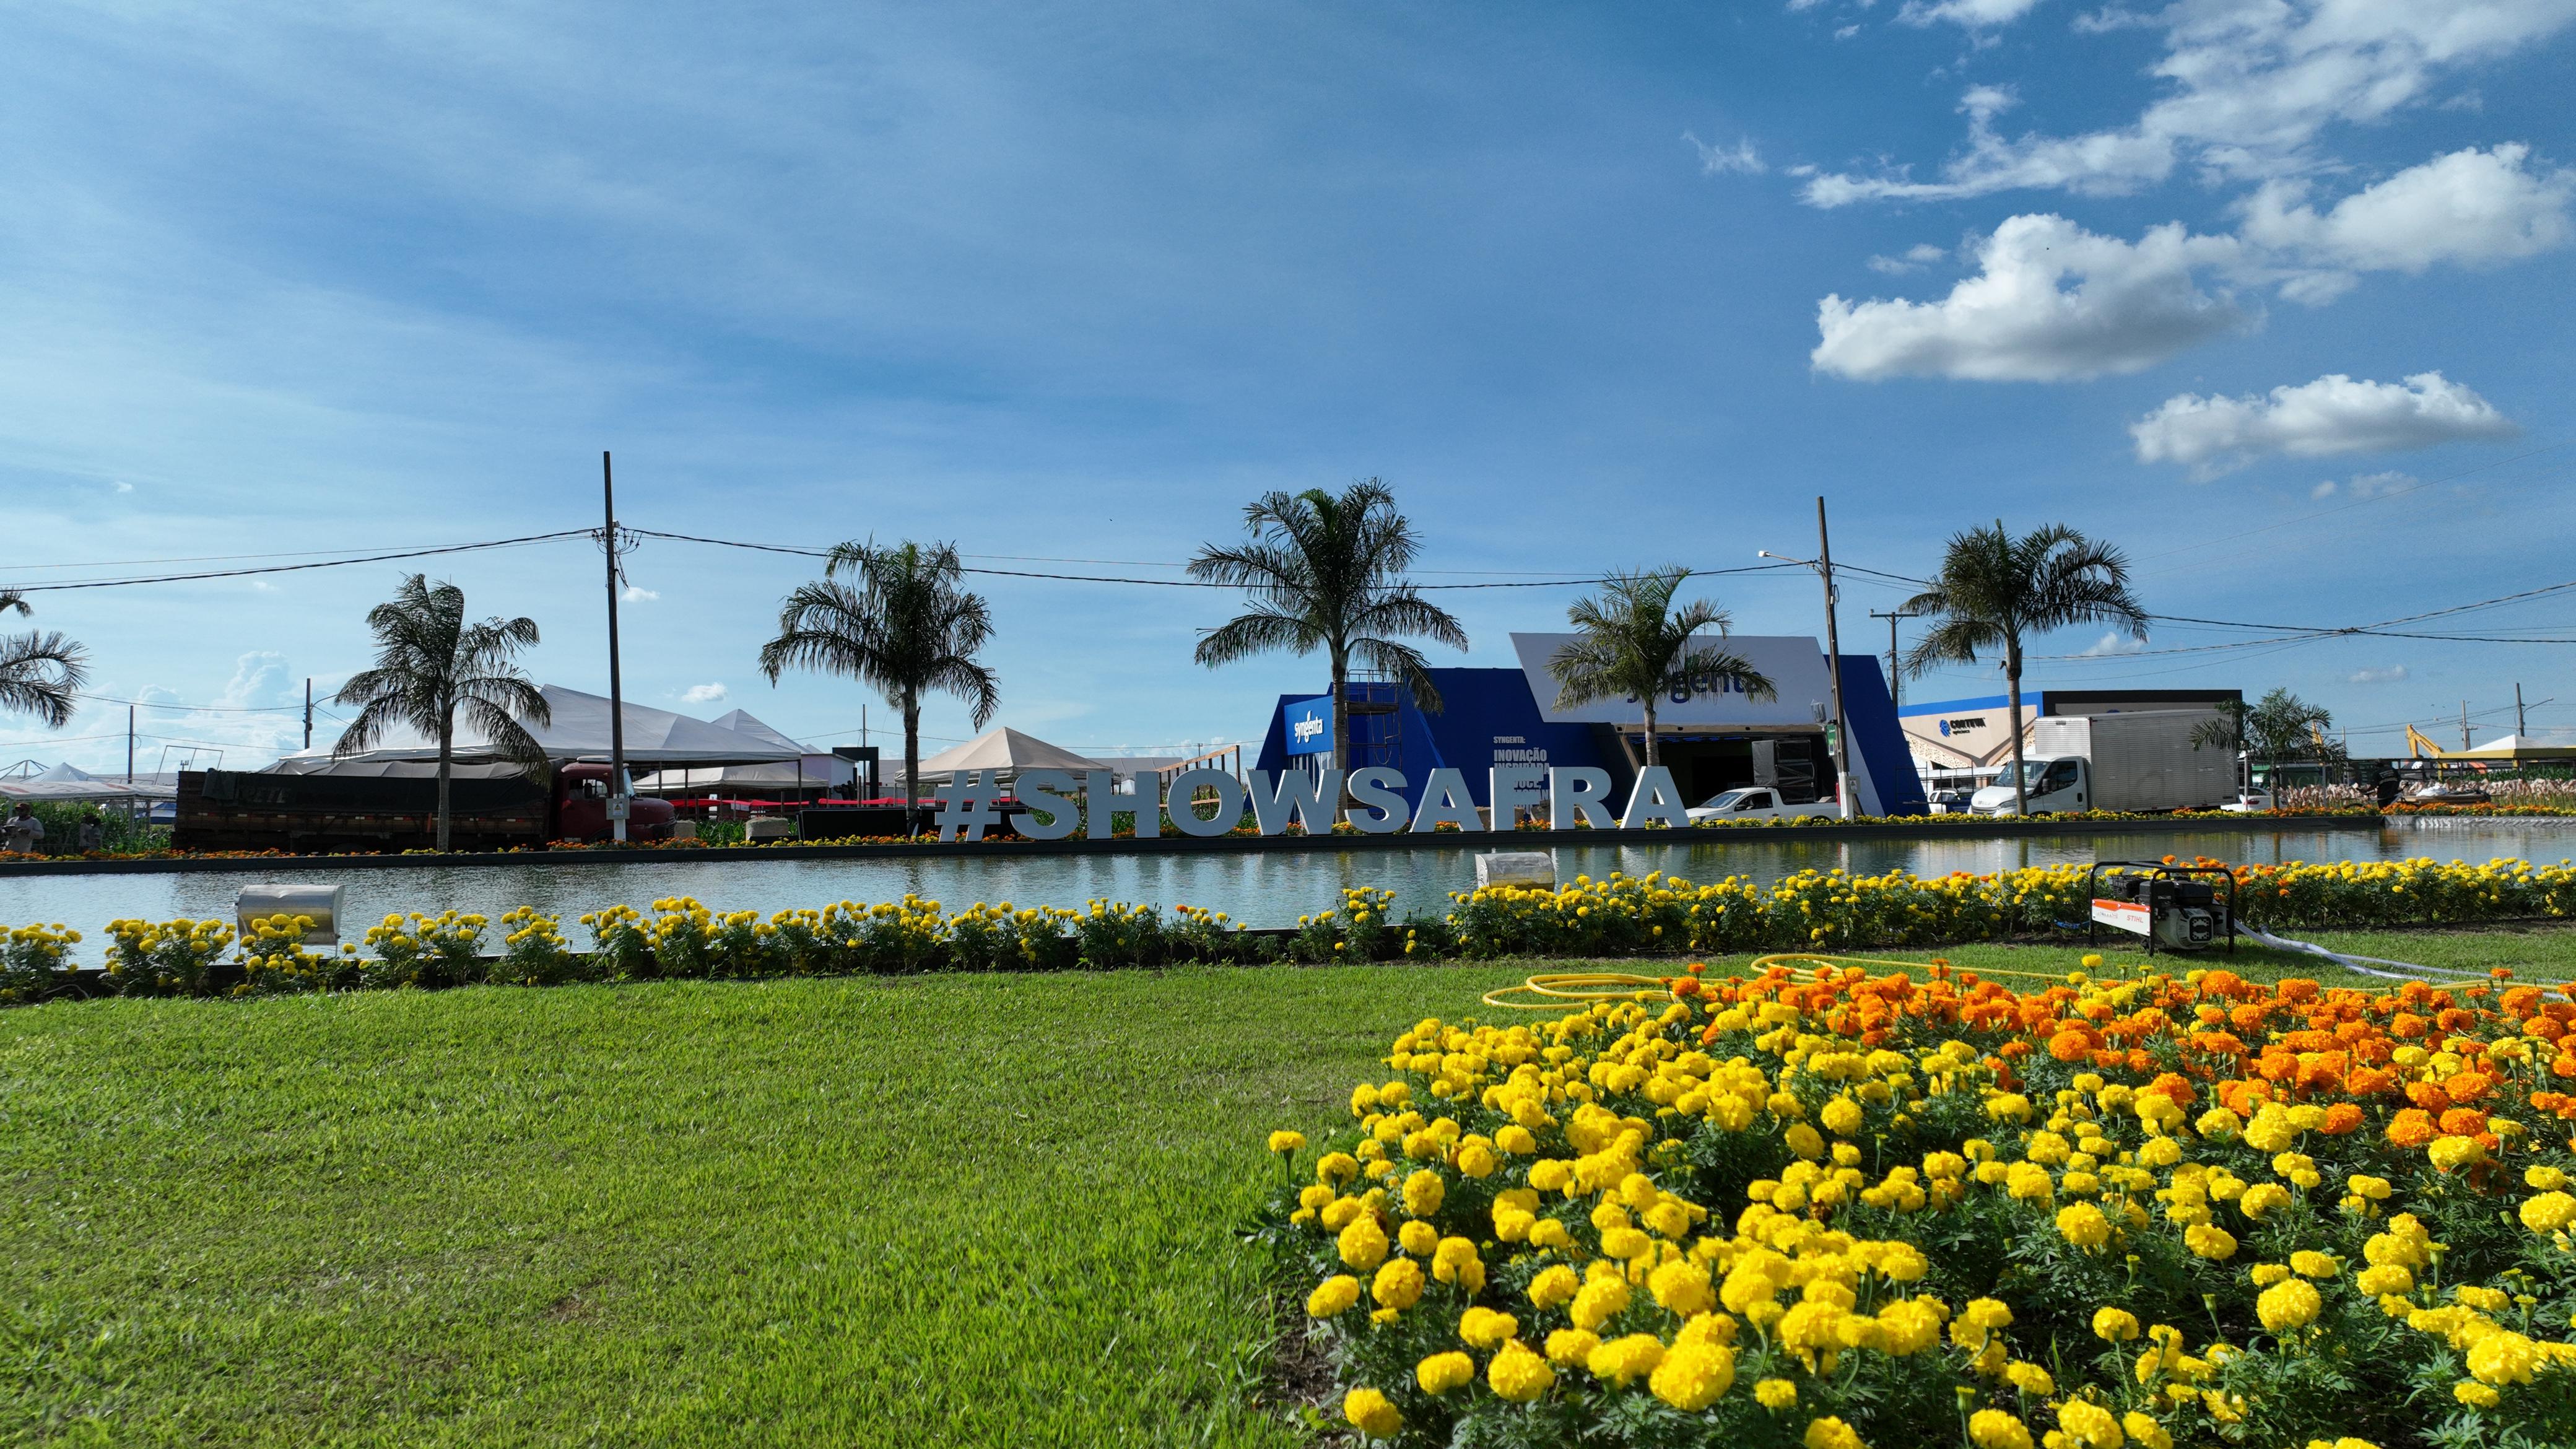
{"points": [[1008, 751], [65, 782], [809, 770], [579, 730], [2519, 747]]}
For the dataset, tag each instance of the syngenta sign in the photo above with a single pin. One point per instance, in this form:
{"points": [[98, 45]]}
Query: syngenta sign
{"points": [[1310, 725], [1212, 802]]}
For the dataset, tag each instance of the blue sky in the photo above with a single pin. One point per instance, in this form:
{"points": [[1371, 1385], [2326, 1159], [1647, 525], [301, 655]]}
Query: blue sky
{"points": [[1590, 286]]}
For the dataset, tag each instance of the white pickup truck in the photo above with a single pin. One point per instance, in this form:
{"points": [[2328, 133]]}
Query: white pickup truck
{"points": [[1758, 802]]}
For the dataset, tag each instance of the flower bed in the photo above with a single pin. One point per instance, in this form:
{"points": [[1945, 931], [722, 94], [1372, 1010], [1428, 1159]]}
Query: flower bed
{"points": [[1826, 1209], [1620, 916]]}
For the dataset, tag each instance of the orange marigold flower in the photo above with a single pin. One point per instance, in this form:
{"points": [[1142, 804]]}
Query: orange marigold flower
{"points": [[2468, 1086], [2464, 1122], [2341, 1118], [2070, 1045], [2411, 1128], [2407, 1024]]}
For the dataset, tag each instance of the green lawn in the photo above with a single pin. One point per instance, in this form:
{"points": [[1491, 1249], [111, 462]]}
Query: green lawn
{"points": [[927, 1211]]}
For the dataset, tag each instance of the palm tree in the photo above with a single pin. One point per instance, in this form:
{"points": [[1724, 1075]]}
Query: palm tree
{"points": [[2276, 728], [431, 666], [1635, 644], [906, 629], [39, 671], [1994, 588], [1326, 572]]}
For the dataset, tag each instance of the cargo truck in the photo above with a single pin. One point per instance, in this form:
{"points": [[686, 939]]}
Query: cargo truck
{"points": [[2131, 761], [488, 808]]}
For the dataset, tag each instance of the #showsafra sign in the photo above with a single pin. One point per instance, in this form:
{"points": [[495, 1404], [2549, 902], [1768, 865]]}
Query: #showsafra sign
{"points": [[1057, 803]]}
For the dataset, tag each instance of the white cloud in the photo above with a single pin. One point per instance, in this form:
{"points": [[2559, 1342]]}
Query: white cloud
{"points": [[2470, 207], [2367, 485], [638, 594], [1720, 160], [2250, 85], [1916, 257], [2111, 643], [2333, 414], [1847, 32], [124, 487], [2390, 675], [1973, 14], [2052, 301], [702, 694]]}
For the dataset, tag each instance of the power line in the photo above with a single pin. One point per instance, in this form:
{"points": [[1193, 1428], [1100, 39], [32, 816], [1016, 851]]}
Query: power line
{"points": [[298, 567]]}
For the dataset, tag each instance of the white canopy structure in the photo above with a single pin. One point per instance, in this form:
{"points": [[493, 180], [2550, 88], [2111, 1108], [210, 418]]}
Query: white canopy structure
{"points": [[64, 782], [578, 730], [1008, 751], [808, 770]]}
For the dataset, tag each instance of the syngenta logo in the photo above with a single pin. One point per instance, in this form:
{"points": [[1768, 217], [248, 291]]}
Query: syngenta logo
{"points": [[1309, 728]]}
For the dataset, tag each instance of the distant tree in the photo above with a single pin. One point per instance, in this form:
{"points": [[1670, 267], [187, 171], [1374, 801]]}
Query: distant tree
{"points": [[2276, 729], [907, 628], [431, 666], [1327, 572], [1995, 590], [40, 671], [1631, 642]]}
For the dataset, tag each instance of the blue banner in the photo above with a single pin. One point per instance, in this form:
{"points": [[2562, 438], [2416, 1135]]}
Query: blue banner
{"points": [[1308, 725]]}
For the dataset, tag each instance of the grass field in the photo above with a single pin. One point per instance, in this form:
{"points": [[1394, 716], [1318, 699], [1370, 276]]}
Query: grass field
{"points": [[924, 1211]]}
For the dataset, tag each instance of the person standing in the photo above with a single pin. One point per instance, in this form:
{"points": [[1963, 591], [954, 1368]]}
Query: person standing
{"points": [[19, 834], [93, 833]]}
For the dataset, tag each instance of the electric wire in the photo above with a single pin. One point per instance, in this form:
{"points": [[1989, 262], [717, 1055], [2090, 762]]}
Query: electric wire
{"points": [[298, 567]]}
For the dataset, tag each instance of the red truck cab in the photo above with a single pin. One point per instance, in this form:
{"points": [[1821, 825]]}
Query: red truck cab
{"points": [[581, 807]]}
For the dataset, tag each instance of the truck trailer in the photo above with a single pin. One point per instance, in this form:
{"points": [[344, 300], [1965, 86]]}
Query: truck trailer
{"points": [[489, 808], [2132, 761]]}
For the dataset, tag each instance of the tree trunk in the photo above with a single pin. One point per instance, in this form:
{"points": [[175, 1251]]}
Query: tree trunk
{"points": [[911, 767], [1651, 758], [1341, 713], [446, 751], [2012, 676]]}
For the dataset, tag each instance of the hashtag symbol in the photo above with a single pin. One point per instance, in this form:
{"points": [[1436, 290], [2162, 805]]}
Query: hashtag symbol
{"points": [[966, 805]]}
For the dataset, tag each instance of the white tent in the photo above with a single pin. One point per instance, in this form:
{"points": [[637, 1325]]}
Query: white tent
{"points": [[578, 730], [1005, 750], [809, 770], [64, 782]]}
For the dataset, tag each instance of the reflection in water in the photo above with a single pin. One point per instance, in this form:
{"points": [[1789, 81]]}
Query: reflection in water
{"points": [[1256, 889]]}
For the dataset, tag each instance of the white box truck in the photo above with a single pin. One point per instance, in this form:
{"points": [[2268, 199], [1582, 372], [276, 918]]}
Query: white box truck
{"points": [[2128, 761]]}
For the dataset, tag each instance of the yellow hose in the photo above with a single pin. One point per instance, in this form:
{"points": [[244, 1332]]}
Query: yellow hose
{"points": [[1554, 990]]}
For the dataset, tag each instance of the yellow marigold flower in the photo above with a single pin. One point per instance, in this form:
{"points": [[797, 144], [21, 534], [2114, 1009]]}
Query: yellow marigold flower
{"points": [[1287, 1142], [1832, 1433], [2116, 1325], [1484, 1328], [2267, 1274], [2546, 1179], [2384, 1279], [2209, 1241], [1369, 1412], [2288, 1305], [1442, 1372], [2308, 1263], [1418, 1238], [2262, 1197], [1476, 1160], [1363, 1243], [1423, 1192], [1682, 1286], [1692, 1376], [1804, 1141], [2083, 1225], [2090, 1425], [1516, 1140], [2145, 1431], [1996, 1429], [1623, 1359], [1398, 1284], [1334, 1295], [2476, 1395], [1841, 1116], [1572, 1347], [1777, 1395], [1455, 1261], [2450, 1154], [2030, 1378], [1600, 1300], [2548, 1212], [1554, 1286], [1518, 1375]]}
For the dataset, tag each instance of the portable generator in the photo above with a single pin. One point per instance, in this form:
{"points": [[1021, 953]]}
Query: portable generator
{"points": [[2178, 907]]}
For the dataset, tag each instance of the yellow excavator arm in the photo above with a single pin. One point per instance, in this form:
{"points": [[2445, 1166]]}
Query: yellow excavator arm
{"points": [[2421, 748]]}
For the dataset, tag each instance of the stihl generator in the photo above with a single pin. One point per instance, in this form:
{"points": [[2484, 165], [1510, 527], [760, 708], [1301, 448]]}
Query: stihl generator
{"points": [[2175, 906]]}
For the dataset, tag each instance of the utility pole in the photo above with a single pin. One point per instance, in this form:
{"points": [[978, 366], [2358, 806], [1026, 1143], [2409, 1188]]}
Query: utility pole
{"points": [[1834, 658], [129, 744], [2521, 726], [617, 801], [1895, 692], [308, 710], [2464, 724]]}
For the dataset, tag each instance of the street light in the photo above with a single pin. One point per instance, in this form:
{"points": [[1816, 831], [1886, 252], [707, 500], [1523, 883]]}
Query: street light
{"points": [[1823, 564]]}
